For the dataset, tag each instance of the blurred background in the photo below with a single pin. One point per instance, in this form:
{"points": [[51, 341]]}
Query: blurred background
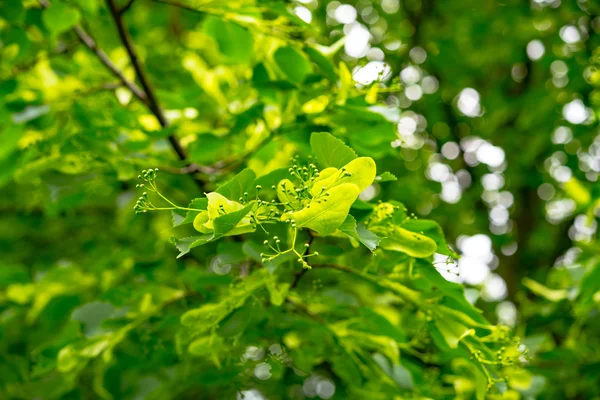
{"points": [[490, 107]]}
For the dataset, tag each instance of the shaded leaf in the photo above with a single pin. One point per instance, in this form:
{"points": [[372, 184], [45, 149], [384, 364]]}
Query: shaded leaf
{"points": [[330, 151]]}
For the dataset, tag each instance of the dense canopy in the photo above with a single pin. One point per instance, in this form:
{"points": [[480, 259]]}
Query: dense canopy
{"points": [[289, 199]]}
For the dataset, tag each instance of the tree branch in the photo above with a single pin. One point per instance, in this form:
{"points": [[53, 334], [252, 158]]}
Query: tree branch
{"points": [[153, 103], [91, 44], [126, 7]]}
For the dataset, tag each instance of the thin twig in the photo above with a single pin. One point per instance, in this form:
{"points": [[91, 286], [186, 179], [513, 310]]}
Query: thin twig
{"points": [[91, 44], [126, 7], [153, 103], [298, 275]]}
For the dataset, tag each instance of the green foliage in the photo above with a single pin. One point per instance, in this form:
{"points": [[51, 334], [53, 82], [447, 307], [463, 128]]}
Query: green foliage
{"points": [[395, 200]]}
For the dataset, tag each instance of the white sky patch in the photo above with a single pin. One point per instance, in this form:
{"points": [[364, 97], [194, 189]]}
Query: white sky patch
{"points": [[575, 112], [570, 34], [490, 155], [472, 270], [345, 14], [499, 215], [357, 41], [469, 102], [251, 394], [492, 181], [430, 84], [562, 135], [410, 75], [507, 313], [438, 172], [303, 13], [407, 126], [450, 150], [373, 71], [558, 210], [262, 371], [418, 55], [479, 246], [494, 288], [451, 192], [535, 50], [375, 54], [369, 193], [413, 92]]}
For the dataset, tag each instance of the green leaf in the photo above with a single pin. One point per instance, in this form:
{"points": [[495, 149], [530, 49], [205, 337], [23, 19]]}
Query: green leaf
{"points": [[322, 62], [184, 245], [537, 288], [205, 346], [229, 224], [12, 10], [206, 149], [325, 215], [91, 316], [452, 332], [198, 203], [363, 170], [75, 356], [292, 63], [360, 172], [240, 184], [277, 291], [359, 233], [225, 224], [286, 192], [272, 178], [60, 17], [386, 177], [203, 317], [577, 191], [330, 151], [414, 244], [200, 222], [432, 230], [234, 42]]}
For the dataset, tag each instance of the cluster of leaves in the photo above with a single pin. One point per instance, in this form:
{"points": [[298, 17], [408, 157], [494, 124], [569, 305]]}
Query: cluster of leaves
{"points": [[559, 319], [319, 206]]}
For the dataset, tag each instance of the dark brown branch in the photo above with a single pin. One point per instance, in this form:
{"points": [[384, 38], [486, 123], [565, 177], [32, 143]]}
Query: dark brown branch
{"points": [[126, 7], [153, 103], [91, 44]]}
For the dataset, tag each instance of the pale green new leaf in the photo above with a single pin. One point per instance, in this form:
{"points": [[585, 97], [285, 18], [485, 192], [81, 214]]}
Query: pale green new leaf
{"points": [[232, 223], [405, 241], [432, 230], [199, 204], [286, 192], [361, 172], [326, 215], [205, 345], [537, 288]]}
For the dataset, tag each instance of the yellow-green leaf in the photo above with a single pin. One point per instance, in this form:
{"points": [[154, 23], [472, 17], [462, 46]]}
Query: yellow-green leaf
{"points": [[325, 214], [400, 239]]}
